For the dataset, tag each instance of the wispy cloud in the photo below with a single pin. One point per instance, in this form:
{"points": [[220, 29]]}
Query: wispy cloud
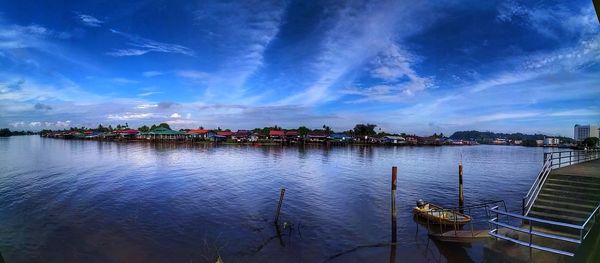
{"points": [[242, 31], [130, 116], [123, 81], [150, 93], [361, 31], [194, 75], [394, 66], [42, 107], [142, 46], [549, 20], [89, 20], [152, 73], [16, 36]]}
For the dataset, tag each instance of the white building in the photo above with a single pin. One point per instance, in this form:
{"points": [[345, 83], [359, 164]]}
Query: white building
{"points": [[585, 131], [551, 141]]}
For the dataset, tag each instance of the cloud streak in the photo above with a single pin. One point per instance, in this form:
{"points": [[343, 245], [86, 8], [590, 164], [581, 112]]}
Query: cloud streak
{"points": [[89, 20], [141, 46]]}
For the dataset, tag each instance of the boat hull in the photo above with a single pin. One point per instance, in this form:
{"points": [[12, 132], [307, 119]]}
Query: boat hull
{"points": [[437, 215]]}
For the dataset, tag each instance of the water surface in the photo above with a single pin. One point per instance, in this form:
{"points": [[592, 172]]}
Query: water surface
{"points": [[88, 201]]}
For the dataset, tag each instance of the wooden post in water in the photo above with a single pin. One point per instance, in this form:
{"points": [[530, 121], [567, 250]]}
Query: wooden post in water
{"points": [[279, 204], [461, 197], [394, 215], [394, 210]]}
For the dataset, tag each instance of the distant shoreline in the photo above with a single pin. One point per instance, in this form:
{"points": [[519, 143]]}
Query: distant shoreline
{"points": [[269, 143]]}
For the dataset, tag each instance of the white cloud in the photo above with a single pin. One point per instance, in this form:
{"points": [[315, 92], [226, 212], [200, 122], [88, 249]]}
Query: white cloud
{"points": [[505, 116], [150, 93], [175, 115], [128, 52], [146, 106], [194, 75], [550, 20], [576, 112], [394, 66], [18, 124], [359, 33], [16, 36], [131, 116], [123, 81], [152, 73], [35, 124], [142, 46], [243, 30], [90, 20]]}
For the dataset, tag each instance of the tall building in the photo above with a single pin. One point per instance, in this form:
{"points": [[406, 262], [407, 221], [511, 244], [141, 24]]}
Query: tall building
{"points": [[584, 131]]}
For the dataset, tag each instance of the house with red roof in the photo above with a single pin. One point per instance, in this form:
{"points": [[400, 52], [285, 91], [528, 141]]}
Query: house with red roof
{"points": [[277, 135], [199, 134], [242, 136], [127, 134], [292, 135], [318, 136]]}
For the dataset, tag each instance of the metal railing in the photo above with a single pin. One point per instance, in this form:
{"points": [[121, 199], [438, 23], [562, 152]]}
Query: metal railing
{"points": [[566, 158], [584, 229], [554, 160], [536, 187], [437, 212]]}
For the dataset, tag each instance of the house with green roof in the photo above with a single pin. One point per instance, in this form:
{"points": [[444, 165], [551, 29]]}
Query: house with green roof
{"points": [[162, 133]]}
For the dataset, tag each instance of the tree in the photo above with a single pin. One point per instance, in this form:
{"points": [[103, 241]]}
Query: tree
{"points": [[201, 128], [144, 128], [591, 142], [303, 131], [110, 128], [5, 132], [153, 127], [365, 129], [326, 128], [530, 143], [164, 125]]}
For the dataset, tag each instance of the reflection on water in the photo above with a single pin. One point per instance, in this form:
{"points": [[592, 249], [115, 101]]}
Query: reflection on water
{"points": [[89, 201]]}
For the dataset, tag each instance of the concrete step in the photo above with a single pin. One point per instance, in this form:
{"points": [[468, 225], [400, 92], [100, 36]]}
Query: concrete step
{"points": [[592, 184], [572, 188], [561, 211], [567, 199], [568, 205], [575, 178], [586, 196], [575, 220]]}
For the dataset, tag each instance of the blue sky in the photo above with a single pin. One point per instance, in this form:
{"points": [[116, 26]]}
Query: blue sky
{"points": [[409, 66]]}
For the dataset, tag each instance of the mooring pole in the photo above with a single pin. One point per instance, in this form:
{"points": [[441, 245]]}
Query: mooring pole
{"points": [[282, 192], [394, 210], [461, 197], [394, 215]]}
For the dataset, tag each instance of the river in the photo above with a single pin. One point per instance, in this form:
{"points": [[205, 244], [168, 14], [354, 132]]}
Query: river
{"points": [[90, 201]]}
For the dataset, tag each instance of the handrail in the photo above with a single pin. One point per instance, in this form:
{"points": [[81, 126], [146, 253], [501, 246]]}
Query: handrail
{"points": [[551, 161], [591, 217], [544, 167], [495, 231], [476, 205], [537, 186], [534, 219]]}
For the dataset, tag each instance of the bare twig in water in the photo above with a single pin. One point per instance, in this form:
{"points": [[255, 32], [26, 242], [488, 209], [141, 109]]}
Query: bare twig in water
{"points": [[357, 248], [210, 250]]}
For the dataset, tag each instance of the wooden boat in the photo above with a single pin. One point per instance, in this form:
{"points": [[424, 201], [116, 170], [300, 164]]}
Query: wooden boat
{"points": [[438, 215]]}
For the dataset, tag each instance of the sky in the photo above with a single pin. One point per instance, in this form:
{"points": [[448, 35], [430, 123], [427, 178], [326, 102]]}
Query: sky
{"points": [[408, 66]]}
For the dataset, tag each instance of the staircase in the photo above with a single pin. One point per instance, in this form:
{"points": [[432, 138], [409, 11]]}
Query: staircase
{"points": [[560, 208], [567, 198]]}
